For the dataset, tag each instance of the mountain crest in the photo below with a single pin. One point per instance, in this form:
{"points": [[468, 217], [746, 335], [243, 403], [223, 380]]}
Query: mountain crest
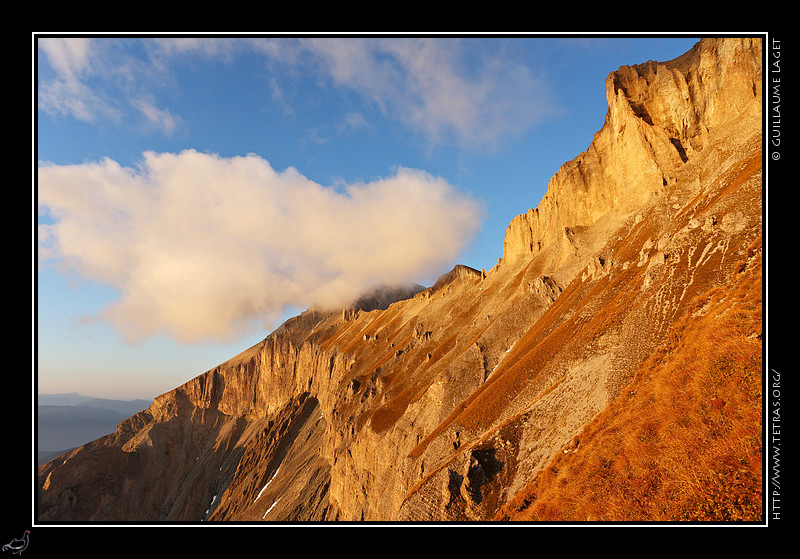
{"points": [[659, 115]]}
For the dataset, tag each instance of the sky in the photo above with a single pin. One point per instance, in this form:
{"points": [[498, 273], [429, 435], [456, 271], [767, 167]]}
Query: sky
{"points": [[192, 192]]}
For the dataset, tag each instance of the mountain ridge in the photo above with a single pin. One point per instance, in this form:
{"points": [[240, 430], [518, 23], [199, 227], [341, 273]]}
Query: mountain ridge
{"points": [[445, 405]]}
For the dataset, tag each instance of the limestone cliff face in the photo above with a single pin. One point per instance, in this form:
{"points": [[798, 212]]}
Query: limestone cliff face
{"points": [[448, 402], [659, 115]]}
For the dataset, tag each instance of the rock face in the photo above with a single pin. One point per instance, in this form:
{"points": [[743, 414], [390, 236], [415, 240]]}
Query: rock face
{"points": [[659, 115], [449, 402]]}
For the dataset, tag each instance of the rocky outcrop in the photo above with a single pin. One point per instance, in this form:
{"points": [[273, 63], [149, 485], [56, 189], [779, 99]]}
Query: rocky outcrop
{"points": [[659, 115], [446, 403]]}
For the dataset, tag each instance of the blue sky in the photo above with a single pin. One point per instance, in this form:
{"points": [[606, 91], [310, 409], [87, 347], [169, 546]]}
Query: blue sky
{"points": [[192, 192]]}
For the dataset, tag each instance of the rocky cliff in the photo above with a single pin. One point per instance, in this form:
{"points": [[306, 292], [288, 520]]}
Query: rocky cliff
{"points": [[455, 403]]}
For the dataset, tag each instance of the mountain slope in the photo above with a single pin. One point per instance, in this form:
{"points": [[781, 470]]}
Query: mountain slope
{"points": [[685, 440], [451, 401]]}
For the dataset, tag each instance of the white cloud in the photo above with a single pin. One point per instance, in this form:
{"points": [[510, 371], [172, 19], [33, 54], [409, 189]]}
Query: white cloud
{"points": [[97, 80], [470, 92], [160, 119], [199, 246], [452, 90], [66, 93], [68, 56]]}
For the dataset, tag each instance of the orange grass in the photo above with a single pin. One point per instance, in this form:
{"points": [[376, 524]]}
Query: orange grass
{"points": [[684, 442]]}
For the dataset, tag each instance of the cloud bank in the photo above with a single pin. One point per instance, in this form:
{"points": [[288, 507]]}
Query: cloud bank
{"points": [[201, 247]]}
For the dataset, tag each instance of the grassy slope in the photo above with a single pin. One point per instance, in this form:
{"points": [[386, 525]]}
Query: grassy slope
{"points": [[685, 441]]}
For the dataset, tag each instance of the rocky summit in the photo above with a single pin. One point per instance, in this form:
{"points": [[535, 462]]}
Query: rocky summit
{"points": [[607, 368]]}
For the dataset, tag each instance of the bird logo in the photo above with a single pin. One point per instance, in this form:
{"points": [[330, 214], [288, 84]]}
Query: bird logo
{"points": [[18, 545]]}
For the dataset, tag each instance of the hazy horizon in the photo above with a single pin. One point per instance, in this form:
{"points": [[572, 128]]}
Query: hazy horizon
{"points": [[84, 397], [193, 193]]}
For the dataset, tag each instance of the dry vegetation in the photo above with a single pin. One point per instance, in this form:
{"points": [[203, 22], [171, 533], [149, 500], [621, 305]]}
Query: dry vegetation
{"points": [[684, 442]]}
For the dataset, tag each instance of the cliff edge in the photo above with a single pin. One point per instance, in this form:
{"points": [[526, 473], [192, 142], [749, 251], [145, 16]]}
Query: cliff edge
{"points": [[659, 115]]}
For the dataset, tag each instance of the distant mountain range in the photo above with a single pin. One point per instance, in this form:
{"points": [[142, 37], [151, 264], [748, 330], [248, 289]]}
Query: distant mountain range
{"points": [[69, 420]]}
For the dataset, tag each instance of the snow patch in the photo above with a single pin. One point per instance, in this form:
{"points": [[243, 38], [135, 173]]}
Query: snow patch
{"points": [[267, 485], [272, 506], [213, 499]]}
